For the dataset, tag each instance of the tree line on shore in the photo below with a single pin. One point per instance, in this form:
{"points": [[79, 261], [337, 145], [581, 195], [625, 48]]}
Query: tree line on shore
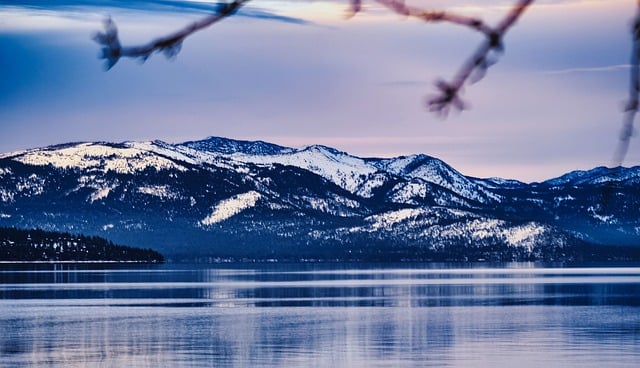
{"points": [[35, 245]]}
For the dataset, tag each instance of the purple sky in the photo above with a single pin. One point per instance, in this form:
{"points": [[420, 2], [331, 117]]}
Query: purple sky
{"points": [[551, 105]]}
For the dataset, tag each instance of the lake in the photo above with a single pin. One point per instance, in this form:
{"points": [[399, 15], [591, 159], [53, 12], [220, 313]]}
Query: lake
{"points": [[319, 315]]}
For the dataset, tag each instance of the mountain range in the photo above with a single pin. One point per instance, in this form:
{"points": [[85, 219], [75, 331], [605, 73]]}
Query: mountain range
{"points": [[225, 199]]}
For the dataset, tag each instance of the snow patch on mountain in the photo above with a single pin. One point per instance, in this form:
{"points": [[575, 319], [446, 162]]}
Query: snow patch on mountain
{"points": [[409, 192], [450, 199], [609, 219], [318, 204], [349, 203], [31, 185], [559, 200], [388, 219], [124, 159], [524, 235], [101, 187], [231, 207], [408, 221], [335, 205], [160, 191], [100, 193], [371, 182], [483, 229], [6, 195]]}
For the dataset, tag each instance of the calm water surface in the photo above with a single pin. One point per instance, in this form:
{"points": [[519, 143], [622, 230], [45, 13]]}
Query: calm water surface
{"points": [[338, 315]]}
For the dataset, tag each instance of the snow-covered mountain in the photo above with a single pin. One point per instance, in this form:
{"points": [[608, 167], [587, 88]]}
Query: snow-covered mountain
{"points": [[226, 198]]}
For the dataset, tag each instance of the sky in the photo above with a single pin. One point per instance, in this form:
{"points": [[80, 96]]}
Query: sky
{"points": [[296, 73]]}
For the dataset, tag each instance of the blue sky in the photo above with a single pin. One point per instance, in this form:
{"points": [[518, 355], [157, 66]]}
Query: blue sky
{"points": [[298, 73]]}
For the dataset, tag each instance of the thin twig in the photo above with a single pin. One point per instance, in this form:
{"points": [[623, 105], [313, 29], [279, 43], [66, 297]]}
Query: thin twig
{"points": [[434, 16], [631, 108], [477, 65], [170, 45]]}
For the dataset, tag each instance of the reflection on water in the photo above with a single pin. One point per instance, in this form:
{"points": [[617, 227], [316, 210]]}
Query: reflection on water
{"points": [[319, 316]]}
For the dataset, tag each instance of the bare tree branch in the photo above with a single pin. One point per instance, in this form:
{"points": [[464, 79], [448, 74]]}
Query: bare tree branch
{"points": [[475, 68], [631, 108], [170, 45], [355, 6], [477, 65]]}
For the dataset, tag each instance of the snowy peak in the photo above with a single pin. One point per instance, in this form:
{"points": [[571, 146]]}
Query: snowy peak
{"points": [[325, 150], [432, 170], [230, 146], [404, 165]]}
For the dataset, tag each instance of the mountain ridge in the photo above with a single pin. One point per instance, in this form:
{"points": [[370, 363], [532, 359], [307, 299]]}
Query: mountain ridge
{"points": [[234, 198]]}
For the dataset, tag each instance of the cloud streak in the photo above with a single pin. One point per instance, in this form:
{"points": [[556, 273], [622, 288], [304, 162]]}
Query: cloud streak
{"points": [[596, 69], [171, 6]]}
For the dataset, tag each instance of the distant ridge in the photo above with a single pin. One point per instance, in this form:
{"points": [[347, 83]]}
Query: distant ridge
{"points": [[229, 146]]}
